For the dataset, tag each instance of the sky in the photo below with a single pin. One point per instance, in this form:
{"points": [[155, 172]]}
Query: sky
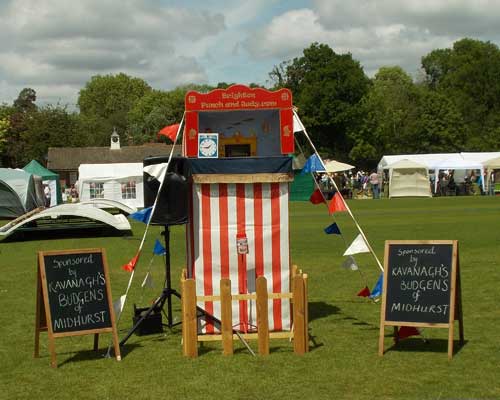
{"points": [[56, 46]]}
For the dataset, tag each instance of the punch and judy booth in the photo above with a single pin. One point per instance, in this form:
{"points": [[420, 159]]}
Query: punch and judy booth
{"points": [[239, 145]]}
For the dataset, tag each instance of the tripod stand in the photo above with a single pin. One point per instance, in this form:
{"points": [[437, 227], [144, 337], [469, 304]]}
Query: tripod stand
{"points": [[165, 297]]}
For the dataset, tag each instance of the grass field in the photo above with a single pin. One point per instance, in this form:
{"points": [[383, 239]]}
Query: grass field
{"points": [[342, 364]]}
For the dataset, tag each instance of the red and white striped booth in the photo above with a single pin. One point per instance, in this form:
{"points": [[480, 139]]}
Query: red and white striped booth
{"points": [[238, 222]]}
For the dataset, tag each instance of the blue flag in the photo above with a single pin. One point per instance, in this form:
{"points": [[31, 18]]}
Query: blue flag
{"points": [[313, 164], [158, 249], [142, 215], [332, 229], [377, 289]]}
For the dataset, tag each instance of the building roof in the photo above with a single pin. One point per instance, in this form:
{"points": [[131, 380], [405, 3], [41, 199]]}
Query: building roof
{"points": [[70, 158]]}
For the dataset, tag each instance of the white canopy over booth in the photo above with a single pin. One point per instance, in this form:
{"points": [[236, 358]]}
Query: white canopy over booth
{"points": [[121, 182], [408, 179]]}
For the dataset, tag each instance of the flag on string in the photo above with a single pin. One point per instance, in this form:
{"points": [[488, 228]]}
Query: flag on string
{"points": [[313, 164], [148, 281], [156, 170], [336, 203], [169, 131], [357, 246], [407, 331], [377, 289], [142, 215], [118, 305], [365, 292], [350, 263], [131, 264], [333, 229], [159, 250], [317, 197]]}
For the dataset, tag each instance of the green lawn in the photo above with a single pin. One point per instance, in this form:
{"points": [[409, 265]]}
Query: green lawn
{"points": [[342, 364]]}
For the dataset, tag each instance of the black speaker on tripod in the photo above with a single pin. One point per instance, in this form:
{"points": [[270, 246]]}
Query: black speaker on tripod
{"points": [[172, 207]]}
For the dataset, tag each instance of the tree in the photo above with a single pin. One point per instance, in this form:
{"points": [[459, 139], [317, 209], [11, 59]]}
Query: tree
{"points": [[154, 111], [106, 100], [49, 126], [25, 101], [387, 115], [327, 88], [469, 75]]}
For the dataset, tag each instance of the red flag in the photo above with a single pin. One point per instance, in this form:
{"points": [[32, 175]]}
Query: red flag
{"points": [[131, 264], [169, 131], [365, 292], [407, 331], [336, 203], [317, 197]]}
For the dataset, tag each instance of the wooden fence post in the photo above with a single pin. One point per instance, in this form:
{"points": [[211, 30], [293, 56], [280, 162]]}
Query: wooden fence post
{"points": [[299, 346], [226, 316], [189, 308], [306, 313], [262, 316]]}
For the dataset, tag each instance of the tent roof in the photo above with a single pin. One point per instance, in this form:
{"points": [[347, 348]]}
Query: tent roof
{"points": [[407, 164], [337, 166], [35, 168], [441, 160], [492, 163], [109, 171]]}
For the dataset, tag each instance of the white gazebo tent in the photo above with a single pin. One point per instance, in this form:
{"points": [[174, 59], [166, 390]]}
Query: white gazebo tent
{"points": [[490, 165], [121, 182], [457, 164], [408, 179]]}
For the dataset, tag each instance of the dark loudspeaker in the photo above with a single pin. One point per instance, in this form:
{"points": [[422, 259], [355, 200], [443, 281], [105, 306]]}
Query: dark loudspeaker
{"points": [[172, 207]]}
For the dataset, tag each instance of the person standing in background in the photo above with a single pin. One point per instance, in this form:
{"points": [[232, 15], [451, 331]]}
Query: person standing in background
{"points": [[374, 182]]}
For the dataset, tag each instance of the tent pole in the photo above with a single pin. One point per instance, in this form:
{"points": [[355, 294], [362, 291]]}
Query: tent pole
{"points": [[337, 189]]}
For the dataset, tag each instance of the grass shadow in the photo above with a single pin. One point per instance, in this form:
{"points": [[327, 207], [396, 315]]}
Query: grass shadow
{"points": [[91, 355], [426, 345], [62, 233], [320, 309]]}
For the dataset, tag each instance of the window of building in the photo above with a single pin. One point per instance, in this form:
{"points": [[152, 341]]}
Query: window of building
{"points": [[129, 190], [96, 190]]}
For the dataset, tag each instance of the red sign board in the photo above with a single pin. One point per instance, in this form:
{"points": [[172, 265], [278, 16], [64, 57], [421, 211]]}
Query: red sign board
{"points": [[234, 98]]}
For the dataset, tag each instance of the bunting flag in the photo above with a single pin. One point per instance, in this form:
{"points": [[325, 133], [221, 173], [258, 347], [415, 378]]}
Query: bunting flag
{"points": [[156, 170], [333, 229], [357, 246], [159, 250], [131, 264], [350, 263], [142, 215], [336, 204], [313, 164], [170, 131], [317, 197], [365, 292], [407, 331], [148, 281], [118, 305], [377, 289]]}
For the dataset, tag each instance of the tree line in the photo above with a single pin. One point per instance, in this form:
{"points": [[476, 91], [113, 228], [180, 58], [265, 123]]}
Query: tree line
{"points": [[453, 105]]}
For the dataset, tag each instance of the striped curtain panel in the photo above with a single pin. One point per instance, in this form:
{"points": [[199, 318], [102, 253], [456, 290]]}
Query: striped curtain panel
{"points": [[219, 214]]}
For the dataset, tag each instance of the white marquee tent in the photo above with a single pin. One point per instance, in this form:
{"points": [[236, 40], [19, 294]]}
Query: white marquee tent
{"points": [[409, 179], [443, 161], [121, 182]]}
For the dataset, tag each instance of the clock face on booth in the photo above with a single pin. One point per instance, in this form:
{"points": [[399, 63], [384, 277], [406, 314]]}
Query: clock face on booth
{"points": [[208, 145]]}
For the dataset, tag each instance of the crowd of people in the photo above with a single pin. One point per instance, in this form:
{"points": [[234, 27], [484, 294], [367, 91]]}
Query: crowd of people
{"points": [[363, 184]]}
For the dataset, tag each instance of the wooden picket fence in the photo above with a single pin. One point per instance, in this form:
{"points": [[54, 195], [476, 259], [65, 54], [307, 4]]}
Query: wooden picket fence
{"points": [[298, 300]]}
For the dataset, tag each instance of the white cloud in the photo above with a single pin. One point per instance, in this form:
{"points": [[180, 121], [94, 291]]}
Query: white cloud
{"points": [[377, 33], [50, 44]]}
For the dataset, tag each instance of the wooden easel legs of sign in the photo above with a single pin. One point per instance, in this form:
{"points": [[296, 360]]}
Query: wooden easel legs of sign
{"points": [[455, 315], [41, 324]]}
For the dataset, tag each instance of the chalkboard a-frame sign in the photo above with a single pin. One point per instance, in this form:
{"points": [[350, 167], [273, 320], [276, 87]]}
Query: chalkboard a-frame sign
{"points": [[421, 287], [74, 297]]}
